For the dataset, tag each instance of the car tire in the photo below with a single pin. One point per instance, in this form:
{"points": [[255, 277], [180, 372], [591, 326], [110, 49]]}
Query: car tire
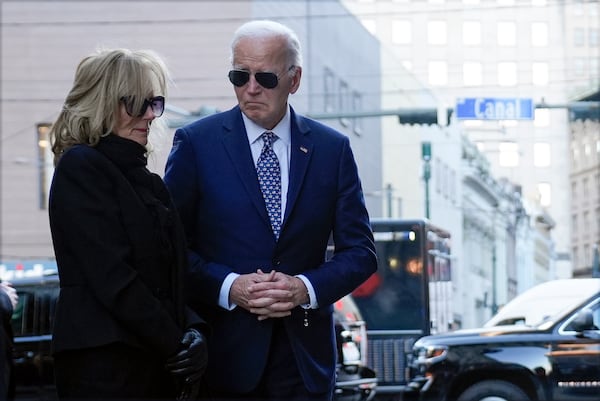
{"points": [[493, 390]]}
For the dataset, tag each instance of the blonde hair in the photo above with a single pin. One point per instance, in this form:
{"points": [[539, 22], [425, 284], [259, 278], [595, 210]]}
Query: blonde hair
{"points": [[92, 105]]}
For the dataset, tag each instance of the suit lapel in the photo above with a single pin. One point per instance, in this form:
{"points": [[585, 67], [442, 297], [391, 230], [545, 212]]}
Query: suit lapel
{"points": [[300, 154], [236, 145]]}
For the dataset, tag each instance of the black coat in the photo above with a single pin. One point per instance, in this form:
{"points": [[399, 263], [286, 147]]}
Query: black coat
{"points": [[120, 252]]}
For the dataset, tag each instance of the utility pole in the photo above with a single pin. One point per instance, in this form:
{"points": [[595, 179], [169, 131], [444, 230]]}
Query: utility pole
{"points": [[426, 156], [494, 267]]}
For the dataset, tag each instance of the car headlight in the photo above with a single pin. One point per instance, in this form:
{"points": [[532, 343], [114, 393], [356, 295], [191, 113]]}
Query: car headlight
{"points": [[427, 355]]}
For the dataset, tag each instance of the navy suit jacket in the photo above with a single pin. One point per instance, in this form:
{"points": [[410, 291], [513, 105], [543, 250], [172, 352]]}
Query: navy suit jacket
{"points": [[213, 181]]}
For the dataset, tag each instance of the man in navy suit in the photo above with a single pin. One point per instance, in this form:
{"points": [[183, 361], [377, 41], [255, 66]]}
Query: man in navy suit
{"points": [[257, 243]]}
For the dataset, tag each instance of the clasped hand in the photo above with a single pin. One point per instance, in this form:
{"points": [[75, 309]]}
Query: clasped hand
{"points": [[267, 295], [189, 364]]}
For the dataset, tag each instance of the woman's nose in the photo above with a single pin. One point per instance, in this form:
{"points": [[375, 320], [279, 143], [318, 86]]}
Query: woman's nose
{"points": [[149, 114]]}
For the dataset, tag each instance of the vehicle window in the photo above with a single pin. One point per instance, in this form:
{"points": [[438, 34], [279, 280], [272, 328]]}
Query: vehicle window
{"points": [[596, 314], [544, 303]]}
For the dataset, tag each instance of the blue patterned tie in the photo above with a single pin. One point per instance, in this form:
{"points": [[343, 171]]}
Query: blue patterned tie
{"points": [[269, 177]]}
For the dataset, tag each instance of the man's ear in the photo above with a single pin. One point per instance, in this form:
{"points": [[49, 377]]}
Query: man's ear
{"points": [[296, 80]]}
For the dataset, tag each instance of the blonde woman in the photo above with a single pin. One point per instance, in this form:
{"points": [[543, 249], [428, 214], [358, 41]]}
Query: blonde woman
{"points": [[121, 328]]}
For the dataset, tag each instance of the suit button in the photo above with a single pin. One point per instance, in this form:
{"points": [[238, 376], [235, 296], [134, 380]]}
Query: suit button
{"points": [[276, 262]]}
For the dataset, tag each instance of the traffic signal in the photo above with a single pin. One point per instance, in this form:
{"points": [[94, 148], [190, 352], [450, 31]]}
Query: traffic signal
{"points": [[425, 116]]}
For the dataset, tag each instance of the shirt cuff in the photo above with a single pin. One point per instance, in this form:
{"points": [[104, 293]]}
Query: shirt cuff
{"points": [[312, 296], [224, 293]]}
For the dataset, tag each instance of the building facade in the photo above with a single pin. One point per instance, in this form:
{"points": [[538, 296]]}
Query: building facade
{"points": [[536, 49], [585, 187]]}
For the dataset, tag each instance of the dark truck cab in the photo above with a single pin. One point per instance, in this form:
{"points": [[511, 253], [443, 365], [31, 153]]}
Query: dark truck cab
{"points": [[543, 345], [32, 326]]}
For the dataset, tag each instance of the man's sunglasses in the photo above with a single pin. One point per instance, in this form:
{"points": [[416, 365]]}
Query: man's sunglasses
{"points": [[268, 80], [157, 104]]}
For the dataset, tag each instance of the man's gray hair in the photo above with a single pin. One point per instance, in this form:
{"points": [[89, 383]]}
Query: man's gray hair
{"points": [[267, 29]]}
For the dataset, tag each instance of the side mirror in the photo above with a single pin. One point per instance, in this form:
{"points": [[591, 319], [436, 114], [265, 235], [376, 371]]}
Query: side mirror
{"points": [[584, 320]]}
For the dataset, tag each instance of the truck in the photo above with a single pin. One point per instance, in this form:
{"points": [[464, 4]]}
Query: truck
{"points": [[543, 345], [410, 296]]}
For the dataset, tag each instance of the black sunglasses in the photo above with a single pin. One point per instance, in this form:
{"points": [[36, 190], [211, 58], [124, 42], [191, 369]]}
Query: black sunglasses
{"points": [[157, 104], [268, 80]]}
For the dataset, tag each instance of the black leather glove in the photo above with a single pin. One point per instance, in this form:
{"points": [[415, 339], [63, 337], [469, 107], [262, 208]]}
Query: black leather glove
{"points": [[189, 364], [188, 391]]}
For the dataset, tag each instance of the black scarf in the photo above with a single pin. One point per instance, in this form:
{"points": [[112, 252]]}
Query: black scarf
{"points": [[130, 158]]}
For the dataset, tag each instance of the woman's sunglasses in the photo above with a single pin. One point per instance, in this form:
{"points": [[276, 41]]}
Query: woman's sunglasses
{"points": [[268, 80], [157, 104]]}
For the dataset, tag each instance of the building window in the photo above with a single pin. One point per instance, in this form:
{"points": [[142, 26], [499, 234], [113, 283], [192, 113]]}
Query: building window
{"points": [[401, 32], [471, 33], [578, 66], [329, 90], [539, 34], [507, 74], [45, 163], [542, 117], [507, 33], [539, 72], [593, 37], [541, 154], [509, 154], [545, 193], [577, 7], [472, 74], [578, 37], [438, 73], [574, 191], [436, 32], [344, 101]]}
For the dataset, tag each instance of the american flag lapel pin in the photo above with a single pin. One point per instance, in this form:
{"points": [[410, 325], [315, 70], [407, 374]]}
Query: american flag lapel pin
{"points": [[303, 149]]}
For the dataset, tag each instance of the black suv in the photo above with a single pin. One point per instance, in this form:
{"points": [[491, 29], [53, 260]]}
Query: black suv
{"points": [[543, 345], [32, 324]]}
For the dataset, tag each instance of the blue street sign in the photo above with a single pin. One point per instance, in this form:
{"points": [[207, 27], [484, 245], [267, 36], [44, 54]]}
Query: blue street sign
{"points": [[478, 108]]}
